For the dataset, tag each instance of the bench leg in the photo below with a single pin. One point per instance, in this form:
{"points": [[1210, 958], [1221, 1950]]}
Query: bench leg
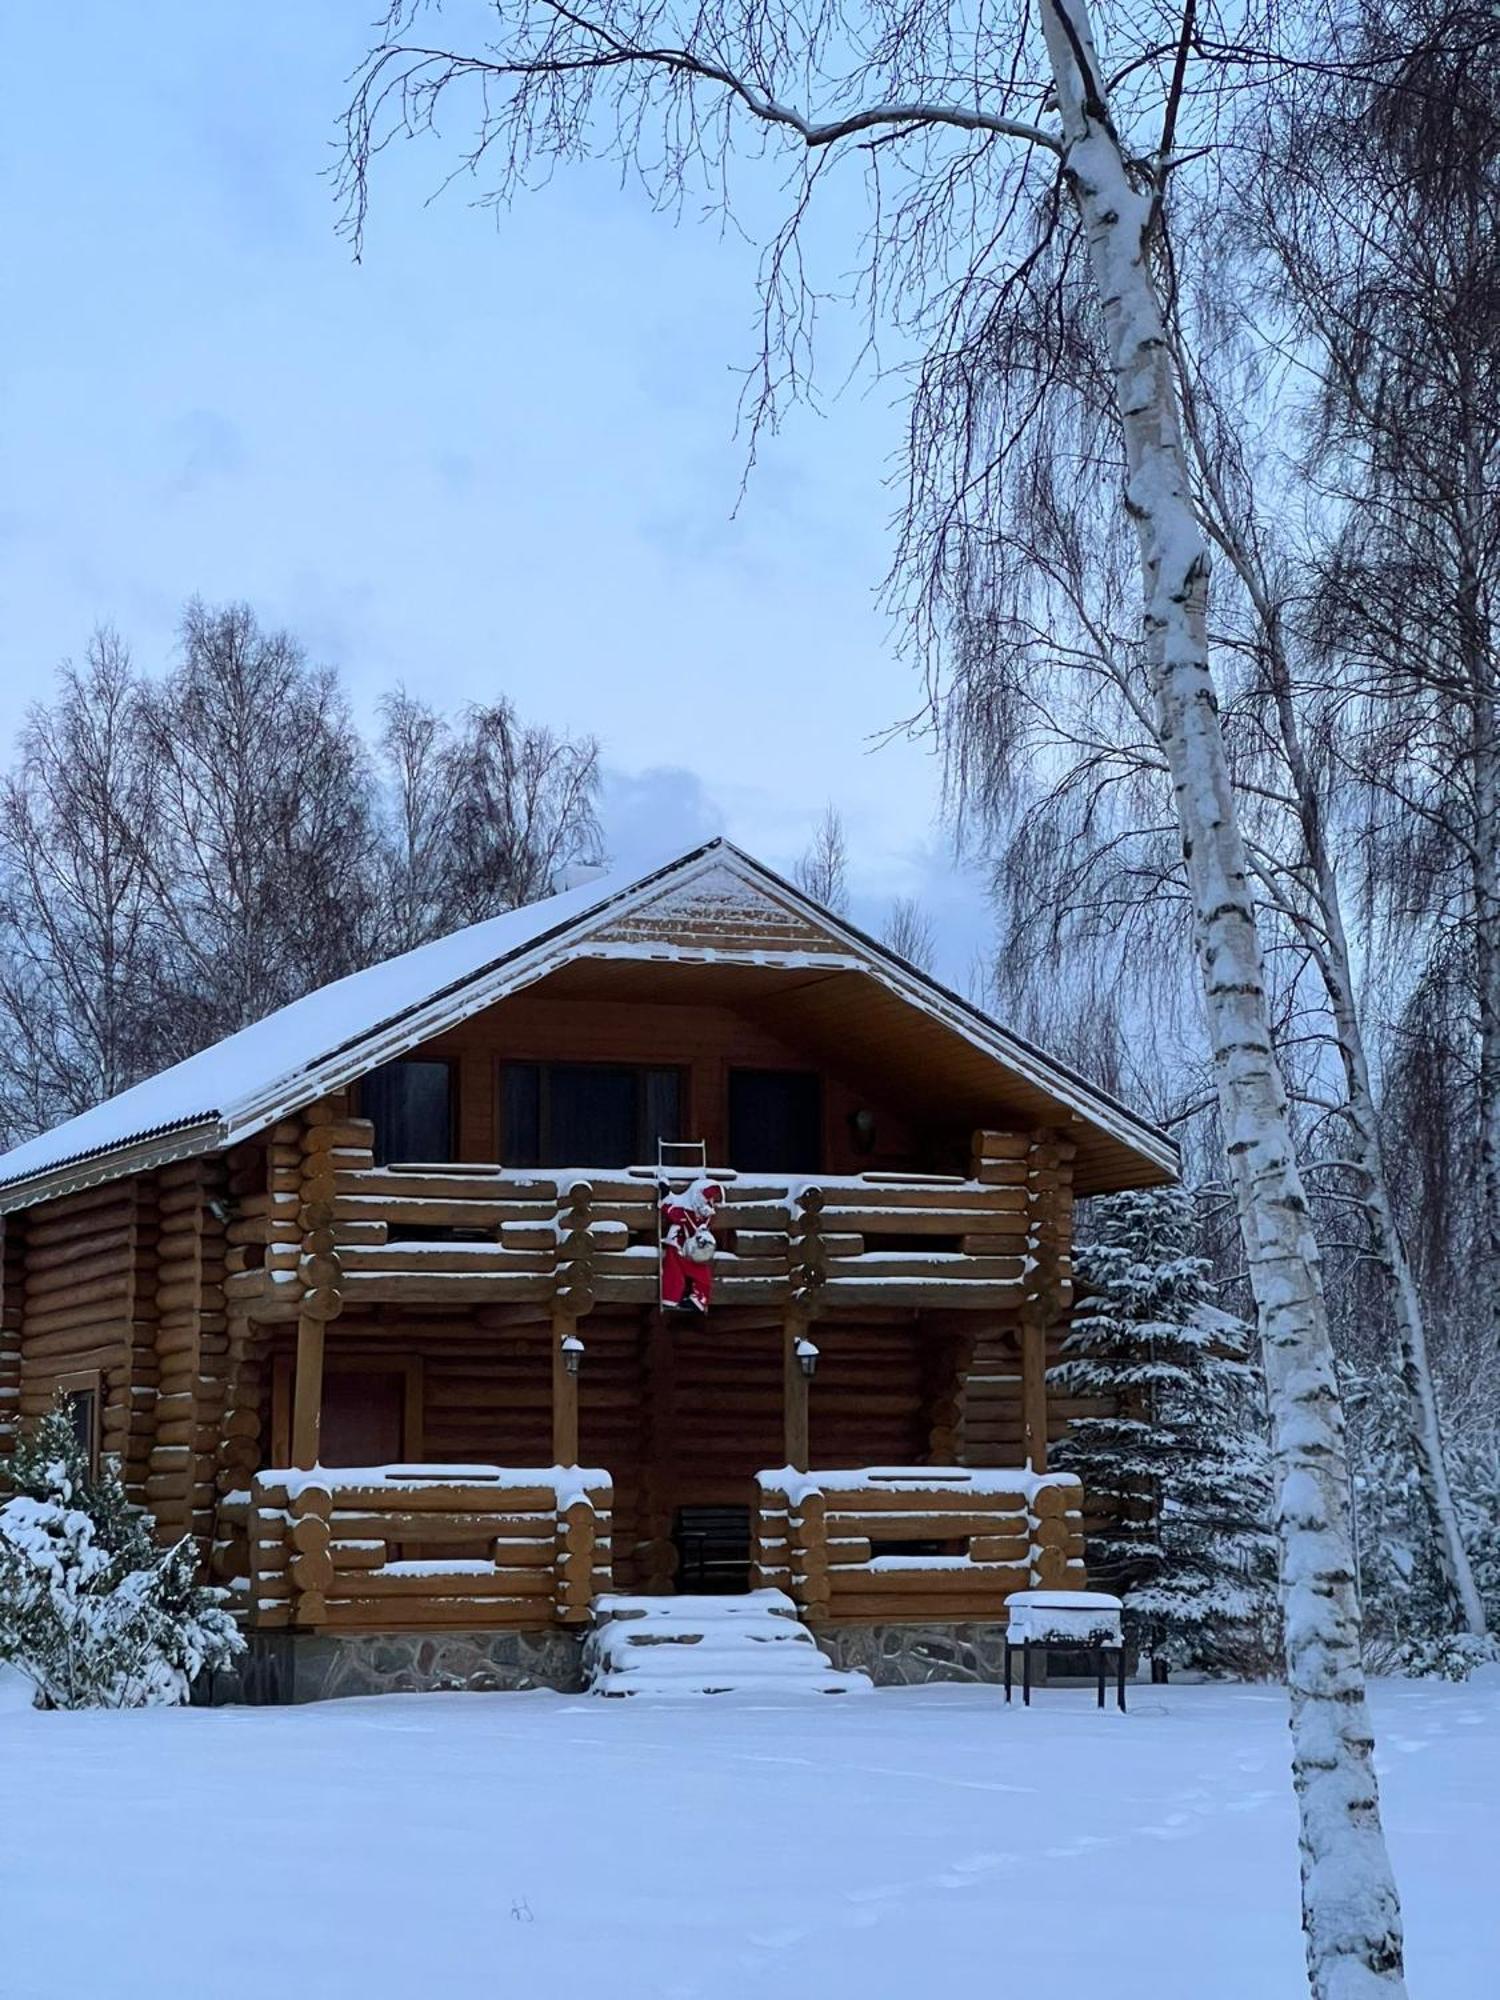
{"points": [[1026, 1673], [1120, 1677]]}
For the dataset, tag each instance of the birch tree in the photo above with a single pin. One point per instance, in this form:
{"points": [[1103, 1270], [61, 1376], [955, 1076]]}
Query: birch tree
{"points": [[1289, 784], [823, 870], [80, 941], [1383, 235], [982, 127], [262, 872]]}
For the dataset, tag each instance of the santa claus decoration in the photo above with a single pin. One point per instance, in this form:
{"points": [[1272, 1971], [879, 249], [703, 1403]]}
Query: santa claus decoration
{"points": [[688, 1244]]}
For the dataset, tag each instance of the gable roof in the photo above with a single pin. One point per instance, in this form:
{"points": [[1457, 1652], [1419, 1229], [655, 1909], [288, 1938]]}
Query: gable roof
{"points": [[248, 1081]]}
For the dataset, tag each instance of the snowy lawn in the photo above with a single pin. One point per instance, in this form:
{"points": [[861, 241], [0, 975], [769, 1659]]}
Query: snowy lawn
{"points": [[905, 1843]]}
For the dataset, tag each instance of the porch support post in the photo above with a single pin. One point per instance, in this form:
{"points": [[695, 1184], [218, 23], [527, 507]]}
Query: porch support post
{"points": [[307, 1392], [564, 1393], [1034, 1388], [794, 1392], [657, 1556]]}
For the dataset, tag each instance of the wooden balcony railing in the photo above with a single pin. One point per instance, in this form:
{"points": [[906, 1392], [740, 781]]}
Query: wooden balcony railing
{"points": [[445, 1233], [394, 1548], [907, 1544]]}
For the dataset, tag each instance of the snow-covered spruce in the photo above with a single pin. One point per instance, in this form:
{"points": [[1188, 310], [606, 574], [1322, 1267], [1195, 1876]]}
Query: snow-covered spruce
{"points": [[1351, 1911], [92, 1611], [1177, 1456]]}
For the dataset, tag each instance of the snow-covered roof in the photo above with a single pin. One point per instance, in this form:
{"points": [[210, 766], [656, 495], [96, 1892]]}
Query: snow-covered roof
{"points": [[242, 1084]]}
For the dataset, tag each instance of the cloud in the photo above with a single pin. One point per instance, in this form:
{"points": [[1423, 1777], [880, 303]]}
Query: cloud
{"points": [[650, 814]]}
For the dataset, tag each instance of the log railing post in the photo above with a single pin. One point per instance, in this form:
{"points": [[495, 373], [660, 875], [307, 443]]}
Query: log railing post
{"points": [[311, 1567], [319, 1273], [807, 1257], [573, 1563], [807, 1537], [575, 1252], [772, 1545], [1047, 1289]]}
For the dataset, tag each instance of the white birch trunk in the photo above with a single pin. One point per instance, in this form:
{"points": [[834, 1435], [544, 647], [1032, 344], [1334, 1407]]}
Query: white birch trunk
{"points": [[1351, 1913]]}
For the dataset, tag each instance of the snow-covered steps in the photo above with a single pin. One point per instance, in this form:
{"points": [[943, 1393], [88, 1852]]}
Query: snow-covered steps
{"points": [[708, 1645]]}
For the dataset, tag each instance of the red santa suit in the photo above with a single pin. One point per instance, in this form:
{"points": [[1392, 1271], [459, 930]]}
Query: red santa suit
{"points": [[687, 1244]]}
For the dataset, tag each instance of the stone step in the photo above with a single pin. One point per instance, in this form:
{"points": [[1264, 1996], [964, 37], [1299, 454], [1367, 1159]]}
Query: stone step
{"points": [[679, 1646]]}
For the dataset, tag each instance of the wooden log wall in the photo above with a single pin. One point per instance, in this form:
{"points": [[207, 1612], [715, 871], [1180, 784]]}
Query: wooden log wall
{"points": [[75, 1285], [191, 1348], [12, 1277]]}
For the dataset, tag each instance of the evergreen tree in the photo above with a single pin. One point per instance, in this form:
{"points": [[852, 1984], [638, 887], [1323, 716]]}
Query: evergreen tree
{"points": [[1174, 1457], [1403, 1604], [92, 1611]]}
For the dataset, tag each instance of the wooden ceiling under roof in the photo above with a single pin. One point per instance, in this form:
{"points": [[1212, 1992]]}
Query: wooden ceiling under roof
{"points": [[857, 1026]]}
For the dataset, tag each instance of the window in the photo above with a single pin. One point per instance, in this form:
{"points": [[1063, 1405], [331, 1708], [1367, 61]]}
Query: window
{"points": [[578, 1114], [82, 1405], [411, 1107], [775, 1121]]}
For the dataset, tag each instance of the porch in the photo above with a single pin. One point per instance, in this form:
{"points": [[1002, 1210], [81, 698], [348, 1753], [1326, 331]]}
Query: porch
{"points": [[422, 1356], [477, 1548]]}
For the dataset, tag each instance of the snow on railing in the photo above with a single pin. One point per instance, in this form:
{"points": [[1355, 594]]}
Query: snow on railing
{"points": [[390, 1547], [916, 1543]]}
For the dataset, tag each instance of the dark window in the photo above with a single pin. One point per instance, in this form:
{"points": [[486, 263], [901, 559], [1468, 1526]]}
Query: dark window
{"points": [[775, 1121], [581, 1114], [411, 1107], [83, 1407], [713, 1549], [954, 1546]]}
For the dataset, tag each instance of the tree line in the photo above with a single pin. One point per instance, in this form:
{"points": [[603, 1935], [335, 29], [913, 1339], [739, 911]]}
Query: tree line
{"points": [[183, 852]]}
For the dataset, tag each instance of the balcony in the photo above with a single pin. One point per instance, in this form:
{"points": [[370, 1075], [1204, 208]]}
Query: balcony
{"points": [[435, 1234]]}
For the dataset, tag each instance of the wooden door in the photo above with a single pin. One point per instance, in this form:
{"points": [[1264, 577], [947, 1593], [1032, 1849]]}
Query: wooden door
{"points": [[363, 1417]]}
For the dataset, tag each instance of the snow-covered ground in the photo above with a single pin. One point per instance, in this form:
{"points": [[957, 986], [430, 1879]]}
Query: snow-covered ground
{"points": [[902, 1844]]}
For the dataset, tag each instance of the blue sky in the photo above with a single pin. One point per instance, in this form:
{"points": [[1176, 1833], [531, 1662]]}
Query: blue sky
{"points": [[497, 454]]}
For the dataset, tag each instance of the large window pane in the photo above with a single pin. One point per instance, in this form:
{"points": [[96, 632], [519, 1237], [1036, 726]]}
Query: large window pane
{"points": [[411, 1107], [775, 1121], [661, 1109], [521, 1114], [593, 1115], [586, 1114]]}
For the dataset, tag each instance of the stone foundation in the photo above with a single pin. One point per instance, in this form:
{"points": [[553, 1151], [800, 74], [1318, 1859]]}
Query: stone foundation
{"points": [[913, 1655], [282, 1667]]}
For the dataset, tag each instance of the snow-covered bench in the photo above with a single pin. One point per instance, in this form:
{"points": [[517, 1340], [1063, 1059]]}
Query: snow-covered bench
{"points": [[1082, 1620]]}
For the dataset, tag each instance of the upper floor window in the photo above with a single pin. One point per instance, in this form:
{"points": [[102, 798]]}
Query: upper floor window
{"points": [[776, 1121], [410, 1104], [587, 1114]]}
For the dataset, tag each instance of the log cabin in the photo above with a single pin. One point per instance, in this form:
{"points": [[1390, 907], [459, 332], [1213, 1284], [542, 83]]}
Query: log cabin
{"points": [[365, 1296]]}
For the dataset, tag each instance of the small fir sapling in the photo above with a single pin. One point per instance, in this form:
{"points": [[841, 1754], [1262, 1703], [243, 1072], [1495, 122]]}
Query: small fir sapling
{"points": [[92, 1611], [1175, 1457]]}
